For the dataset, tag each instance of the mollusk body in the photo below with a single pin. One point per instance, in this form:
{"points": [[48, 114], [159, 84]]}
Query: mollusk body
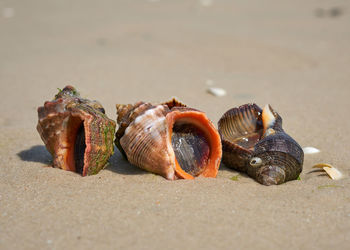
{"points": [[76, 132], [169, 139], [254, 142]]}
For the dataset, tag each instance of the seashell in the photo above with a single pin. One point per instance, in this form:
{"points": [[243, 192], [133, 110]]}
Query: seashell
{"points": [[310, 150], [168, 139], [332, 172], [254, 142], [76, 132], [216, 91]]}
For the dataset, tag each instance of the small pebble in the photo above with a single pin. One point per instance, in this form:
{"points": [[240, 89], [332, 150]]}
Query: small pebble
{"points": [[216, 91], [310, 150]]}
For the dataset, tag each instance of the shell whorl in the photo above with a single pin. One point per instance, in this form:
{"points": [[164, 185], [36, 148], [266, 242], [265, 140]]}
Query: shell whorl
{"points": [[174, 103], [146, 142], [281, 153], [126, 114], [153, 137], [280, 142]]}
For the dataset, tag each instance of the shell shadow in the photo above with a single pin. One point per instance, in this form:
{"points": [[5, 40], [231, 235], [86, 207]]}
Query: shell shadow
{"points": [[316, 171], [224, 168], [117, 163], [36, 153], [120, 165]]}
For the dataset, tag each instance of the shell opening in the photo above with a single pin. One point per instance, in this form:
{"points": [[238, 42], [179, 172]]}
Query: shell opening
{"points": [[191, 147], [79, 150], [76, 145], [248, 141], [199, 127], [242, 126], [255, 162]]}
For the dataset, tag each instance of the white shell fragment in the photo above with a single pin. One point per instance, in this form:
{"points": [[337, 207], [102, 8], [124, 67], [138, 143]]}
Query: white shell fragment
{"points": [[334, 173], [216, 91], [310, 150]]}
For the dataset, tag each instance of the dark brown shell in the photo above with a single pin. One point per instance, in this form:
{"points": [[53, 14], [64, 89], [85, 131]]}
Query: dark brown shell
{"points": [[247, 138], [76, 132], [240, 129], [282, 159], [148, 134], [174, 103]]}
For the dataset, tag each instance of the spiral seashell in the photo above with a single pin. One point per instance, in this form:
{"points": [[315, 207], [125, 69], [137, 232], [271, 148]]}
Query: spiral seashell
{"points": [[76, 132], [254, 142], [169, 139]]}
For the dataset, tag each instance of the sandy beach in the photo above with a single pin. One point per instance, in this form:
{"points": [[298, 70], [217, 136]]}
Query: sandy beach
{"points": [[294, 55]]}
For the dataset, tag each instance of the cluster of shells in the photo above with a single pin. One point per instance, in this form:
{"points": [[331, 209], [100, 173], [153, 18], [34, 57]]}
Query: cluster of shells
{"points": [[169, 139]]}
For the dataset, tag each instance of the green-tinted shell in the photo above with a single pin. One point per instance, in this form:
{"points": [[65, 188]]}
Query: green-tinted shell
{"points": [[76, 132]]}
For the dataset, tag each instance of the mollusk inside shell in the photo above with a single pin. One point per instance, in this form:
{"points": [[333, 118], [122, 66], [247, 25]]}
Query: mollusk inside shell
{"points": [[254, 142], [169, 139], [76, 132]]}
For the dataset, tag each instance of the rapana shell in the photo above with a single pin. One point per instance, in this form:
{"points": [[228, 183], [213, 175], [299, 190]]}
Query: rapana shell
{"points": [[169, 139], [76, 132]]}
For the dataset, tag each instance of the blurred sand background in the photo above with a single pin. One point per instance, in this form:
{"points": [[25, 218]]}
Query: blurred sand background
{"points": [[294, 55]]}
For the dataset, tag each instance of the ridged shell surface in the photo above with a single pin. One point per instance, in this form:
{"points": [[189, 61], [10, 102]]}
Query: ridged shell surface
{"points": [[255, 142], [146, 142], [281, 159], [76, 132], [240, 129], [158, 138]]}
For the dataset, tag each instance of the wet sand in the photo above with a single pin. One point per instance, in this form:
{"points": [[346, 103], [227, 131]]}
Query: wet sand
{"points": [[294, 55]]}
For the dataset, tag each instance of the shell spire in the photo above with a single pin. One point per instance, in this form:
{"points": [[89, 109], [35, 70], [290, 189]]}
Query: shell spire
{"points": [[174, 103], [169, 139], [76, 132]]}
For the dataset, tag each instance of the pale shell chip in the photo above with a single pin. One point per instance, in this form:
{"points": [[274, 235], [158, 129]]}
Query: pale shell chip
{"points": [[216, 91], [310, 150], [332, 172]]}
